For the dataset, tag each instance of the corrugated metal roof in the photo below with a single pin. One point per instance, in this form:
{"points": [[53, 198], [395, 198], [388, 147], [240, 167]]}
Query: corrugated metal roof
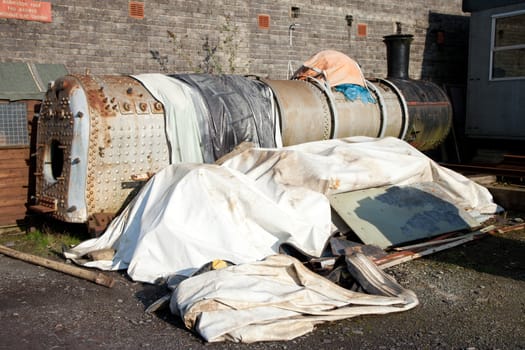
{"points": [[27, 81]]}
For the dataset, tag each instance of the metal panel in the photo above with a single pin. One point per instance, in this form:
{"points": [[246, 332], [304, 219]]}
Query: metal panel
{"points": [[356, 118], [387, 216], [429, 112]]}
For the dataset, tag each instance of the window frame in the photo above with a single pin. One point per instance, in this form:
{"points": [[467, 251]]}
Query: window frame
{"points": [[494, 49]]}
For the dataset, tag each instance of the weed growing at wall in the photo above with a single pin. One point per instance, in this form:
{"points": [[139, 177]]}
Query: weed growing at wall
{"points": [[229, 45], [215, 55]]}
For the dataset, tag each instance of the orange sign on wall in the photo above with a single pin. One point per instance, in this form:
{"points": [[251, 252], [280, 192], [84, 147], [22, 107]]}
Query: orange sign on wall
{"points": [[26, 9]]}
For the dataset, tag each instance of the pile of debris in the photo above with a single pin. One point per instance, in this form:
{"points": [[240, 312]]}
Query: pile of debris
{"points": [[270, 242]]}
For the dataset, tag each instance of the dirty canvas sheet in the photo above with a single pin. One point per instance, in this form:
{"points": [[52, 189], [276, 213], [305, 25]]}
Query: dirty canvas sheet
{"points": [[356, 163], [189, 214], [280, 299], [333, 66]]}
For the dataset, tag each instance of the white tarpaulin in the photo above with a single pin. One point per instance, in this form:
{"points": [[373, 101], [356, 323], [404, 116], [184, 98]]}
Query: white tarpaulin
{"points": [[184, 110], [189, 214], [280, 299], [356, 163]]}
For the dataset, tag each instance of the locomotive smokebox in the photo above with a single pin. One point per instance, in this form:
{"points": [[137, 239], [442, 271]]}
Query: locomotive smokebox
{"points": [[427, 105]]}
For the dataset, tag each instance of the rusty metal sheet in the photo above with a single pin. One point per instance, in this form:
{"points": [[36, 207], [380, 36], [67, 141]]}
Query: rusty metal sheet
{"points": [[94, 134], [388, 216]]}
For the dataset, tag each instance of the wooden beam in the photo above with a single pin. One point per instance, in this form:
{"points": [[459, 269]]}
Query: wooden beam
{"points": [[97, 277]]}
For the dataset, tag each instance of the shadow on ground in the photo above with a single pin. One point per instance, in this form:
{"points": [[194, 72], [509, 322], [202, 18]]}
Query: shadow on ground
{"points": [[501, 255]]}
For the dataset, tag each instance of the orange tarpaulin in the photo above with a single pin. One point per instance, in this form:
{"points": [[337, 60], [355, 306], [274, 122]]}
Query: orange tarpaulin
{"points": [[333, 66]]}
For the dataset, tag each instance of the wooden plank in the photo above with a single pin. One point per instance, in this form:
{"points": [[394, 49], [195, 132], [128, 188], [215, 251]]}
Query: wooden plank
{"points": [[21, 181], [13, 153], [404, 256], [14, 192], [11, 220], [14, 163], [511, 228], [13, 207], [10, 215], [19, 199], [13, 173]]}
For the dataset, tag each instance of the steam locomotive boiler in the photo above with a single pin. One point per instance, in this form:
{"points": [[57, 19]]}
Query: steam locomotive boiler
{"points": [[100, 137]]}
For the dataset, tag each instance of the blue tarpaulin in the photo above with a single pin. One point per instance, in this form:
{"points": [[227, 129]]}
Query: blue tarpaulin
{"points": [[355, 92]]}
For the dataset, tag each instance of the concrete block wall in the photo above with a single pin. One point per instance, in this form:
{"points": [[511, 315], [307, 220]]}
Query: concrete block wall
{"points": [[223, 36]]}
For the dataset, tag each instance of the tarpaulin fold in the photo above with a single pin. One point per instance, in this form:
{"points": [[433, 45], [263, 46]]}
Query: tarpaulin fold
{"points": [[334, 67], [185, 114], [280, 299], [188, 213]]}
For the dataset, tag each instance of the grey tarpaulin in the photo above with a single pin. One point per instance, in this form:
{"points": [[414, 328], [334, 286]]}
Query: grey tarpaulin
{"points": [[240, 109]]}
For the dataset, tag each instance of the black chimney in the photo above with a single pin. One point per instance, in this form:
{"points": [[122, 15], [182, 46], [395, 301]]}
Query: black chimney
{"points": [[398, 55]]}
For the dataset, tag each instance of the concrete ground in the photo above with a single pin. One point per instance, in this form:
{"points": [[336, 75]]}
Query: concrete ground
{"points": [[471, 297]]}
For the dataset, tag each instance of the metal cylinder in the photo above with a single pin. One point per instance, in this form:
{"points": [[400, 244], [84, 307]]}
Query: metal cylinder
{"points": [[417, 111], [398, 55], [394, 115], [100, 136], [429, 112], [304, 111]]}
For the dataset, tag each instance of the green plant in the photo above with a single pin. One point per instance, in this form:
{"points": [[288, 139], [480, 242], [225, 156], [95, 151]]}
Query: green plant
{"points": [[216, 55], [182, 52], [45, 242], [210, 63], [229, 33], [39, 239]]}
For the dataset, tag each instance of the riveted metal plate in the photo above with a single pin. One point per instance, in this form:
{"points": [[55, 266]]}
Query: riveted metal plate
{"points": [[92, 139], [304, 111]]}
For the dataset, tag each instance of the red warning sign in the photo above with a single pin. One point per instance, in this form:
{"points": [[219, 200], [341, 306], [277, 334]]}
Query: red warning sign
{"points": [[26, 9]]}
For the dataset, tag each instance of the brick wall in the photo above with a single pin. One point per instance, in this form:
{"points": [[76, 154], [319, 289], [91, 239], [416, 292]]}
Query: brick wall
{"points": [[221, 35]]}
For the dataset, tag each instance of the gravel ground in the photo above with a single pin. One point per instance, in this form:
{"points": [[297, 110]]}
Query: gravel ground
{"points": [[471, 297]]}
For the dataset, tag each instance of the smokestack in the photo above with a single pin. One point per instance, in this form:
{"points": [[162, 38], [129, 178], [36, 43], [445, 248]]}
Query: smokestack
{"points": [[398, 55]]}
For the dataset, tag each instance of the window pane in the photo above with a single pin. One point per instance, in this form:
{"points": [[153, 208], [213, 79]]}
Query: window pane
{"points": [[510, 31], [13, 125], [509, 64]]}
